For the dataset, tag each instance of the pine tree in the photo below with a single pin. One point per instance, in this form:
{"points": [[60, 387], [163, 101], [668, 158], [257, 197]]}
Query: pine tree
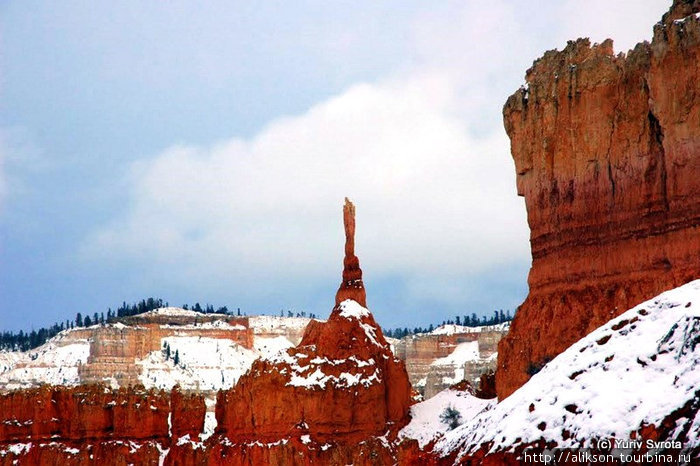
{"points": [[451, 417], [176, 360]]}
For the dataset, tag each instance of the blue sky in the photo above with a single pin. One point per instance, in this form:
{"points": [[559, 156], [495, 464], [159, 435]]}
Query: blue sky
{"points": [[201, 153]]}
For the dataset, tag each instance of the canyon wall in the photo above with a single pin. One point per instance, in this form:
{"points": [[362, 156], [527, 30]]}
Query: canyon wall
{"points": [[92, 424], [607, 155], [435, 361]]}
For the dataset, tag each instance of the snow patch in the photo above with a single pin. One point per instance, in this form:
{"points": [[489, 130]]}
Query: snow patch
{"points": [[351, 309], [426, 426], [451, 329]]}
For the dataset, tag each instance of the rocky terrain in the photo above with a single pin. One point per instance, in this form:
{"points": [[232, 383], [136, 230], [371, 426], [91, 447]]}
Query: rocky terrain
{"points": [[339, 397], [448, 355], [606, 152], [213, 351], [635, 379]]}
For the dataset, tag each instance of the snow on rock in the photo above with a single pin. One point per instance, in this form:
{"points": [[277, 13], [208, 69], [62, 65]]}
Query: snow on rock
{"points": [[209, 425], [170, 312], [203, 364], [426, 426], [633, 371], [8, 360], [270, 346], [55, 362], [451, 329], [352, 310], [314, 373], [463, 352], [392, 343]]}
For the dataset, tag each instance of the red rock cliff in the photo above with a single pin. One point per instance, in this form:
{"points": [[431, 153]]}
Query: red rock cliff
{"points": [[607, 154], [91, 424]]}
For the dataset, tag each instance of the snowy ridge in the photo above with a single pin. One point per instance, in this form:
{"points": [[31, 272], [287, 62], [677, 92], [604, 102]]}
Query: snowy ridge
{"points": [[55, 362], [451, 329], [271, 324], [204, 363], [633, 371], [170, 312]]}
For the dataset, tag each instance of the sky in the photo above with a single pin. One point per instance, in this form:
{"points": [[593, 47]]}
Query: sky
{"points": [[201, 152]]}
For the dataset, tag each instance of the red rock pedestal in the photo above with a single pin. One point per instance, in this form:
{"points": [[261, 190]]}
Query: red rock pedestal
{"points": [[607, 154]]}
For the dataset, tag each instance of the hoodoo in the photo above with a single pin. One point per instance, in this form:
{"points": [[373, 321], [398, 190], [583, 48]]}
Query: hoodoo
{"points": [[326, 401], [352, 286], [607, 154]]}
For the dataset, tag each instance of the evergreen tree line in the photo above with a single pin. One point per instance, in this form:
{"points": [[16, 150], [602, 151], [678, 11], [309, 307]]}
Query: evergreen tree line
{"points": [[498, 317], [24, 341], [311, 315]]}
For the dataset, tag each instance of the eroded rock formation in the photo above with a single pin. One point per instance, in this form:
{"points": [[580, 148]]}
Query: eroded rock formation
{"points": [[351, 286], [341, 386], [94, 425], [607, 154], [437, 360], [339, 397]]}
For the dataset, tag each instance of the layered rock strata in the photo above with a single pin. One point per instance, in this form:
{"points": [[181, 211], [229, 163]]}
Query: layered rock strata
{"points": [[433, 361], [94, 425], [607, 155]]}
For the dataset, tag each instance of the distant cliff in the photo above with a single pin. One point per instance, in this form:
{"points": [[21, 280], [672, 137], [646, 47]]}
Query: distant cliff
{"points": [[607, 154]]}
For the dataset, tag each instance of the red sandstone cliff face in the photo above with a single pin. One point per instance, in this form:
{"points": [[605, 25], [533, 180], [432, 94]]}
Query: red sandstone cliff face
{"points": [[94, 425], [607, 154]]}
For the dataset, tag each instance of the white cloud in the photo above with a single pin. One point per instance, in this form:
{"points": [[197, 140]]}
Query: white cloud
{"points": [[430, 199], [422, 153]]}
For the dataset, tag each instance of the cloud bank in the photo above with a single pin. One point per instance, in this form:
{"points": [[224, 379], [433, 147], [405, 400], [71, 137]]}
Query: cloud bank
{"points": [[421, 152], [432, 201]]}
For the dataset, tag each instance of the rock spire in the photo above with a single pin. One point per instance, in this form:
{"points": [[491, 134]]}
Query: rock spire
{"points": [[352, 286]]}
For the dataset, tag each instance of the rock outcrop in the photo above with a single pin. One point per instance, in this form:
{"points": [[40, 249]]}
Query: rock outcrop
{"points": [[340, 387], [448, 355], [351, 286], [92, 424], [607, 154]]}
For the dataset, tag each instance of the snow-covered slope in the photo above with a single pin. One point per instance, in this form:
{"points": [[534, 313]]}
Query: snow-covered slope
{"points": [[451, 329], [455, 361], [202, 364], [634, 371], [55, 362], [426, 426]]}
